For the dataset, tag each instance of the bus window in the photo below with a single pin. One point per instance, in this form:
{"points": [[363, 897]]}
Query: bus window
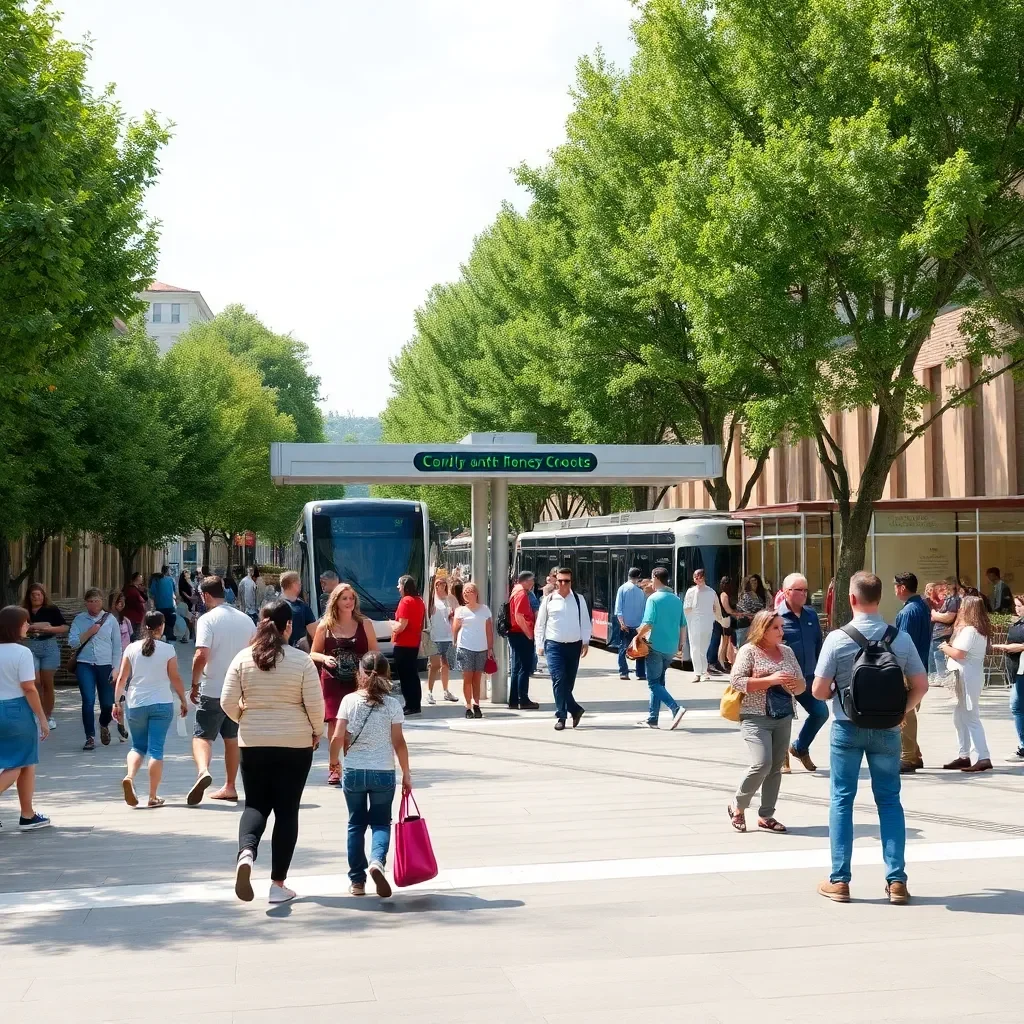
{"points": [[583, 576], [618, 569], [641, 559], [567, 559], [601, 589], [663, 558]]}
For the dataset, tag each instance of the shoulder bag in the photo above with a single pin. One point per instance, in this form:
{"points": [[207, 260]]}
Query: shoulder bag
{"points": [[73, 660]]}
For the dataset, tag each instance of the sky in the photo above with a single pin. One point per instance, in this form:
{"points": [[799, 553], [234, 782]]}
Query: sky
{"points": [[334, 159]]}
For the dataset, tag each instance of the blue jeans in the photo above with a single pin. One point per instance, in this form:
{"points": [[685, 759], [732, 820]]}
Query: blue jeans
{"points": [[716, 640], [149, 725], [1017, 708], [882, 747], [523, 653], [93, 679], [936, 659], [369, 795], [817, 716], [563, 663], [625, 639], [657, 665]]}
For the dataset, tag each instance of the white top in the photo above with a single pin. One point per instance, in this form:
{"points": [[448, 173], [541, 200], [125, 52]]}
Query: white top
{"points": [[16, 667], [701, 604], [150, 683], [473, 635], [247, 595], [370, 726], [973, 667], [562, 620], [440, 622], [224, 631]]}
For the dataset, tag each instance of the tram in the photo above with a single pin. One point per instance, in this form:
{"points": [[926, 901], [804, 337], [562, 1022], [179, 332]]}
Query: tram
{"points": [[600, 551]]}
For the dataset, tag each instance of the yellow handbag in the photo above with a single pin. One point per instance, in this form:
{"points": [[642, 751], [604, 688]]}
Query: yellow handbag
{"points": [[729, 706]]}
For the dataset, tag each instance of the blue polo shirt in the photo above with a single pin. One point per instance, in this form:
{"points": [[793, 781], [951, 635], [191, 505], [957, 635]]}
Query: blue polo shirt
{"points": [[803, 637], [664, 614], [630, 601], [915, 619], [163, 592]]}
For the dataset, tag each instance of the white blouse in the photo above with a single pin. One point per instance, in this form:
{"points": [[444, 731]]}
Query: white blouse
{"points": [[968, 639]]}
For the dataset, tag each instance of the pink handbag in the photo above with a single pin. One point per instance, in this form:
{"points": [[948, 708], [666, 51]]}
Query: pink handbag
{"points": [[414, 856]]}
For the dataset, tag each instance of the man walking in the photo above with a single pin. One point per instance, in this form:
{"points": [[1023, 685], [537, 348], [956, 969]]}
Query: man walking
{"points": [[664, 628], [1001, 599], [563, 634], [914, 619], [520, 641], [701, 609], [247, 594], [833, 677], [630, 602], [220, 634], [162, 593], [803, 634], [329, 581], [303, 619]]}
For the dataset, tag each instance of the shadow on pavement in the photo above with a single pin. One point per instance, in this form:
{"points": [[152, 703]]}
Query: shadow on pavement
{"points": [[988, 901]]}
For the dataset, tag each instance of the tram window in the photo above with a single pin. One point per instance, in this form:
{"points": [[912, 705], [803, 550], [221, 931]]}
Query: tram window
{"points": [[583, 576], [618, 569], [641, 559], [568, 559], [601, 591], [527, 560]]}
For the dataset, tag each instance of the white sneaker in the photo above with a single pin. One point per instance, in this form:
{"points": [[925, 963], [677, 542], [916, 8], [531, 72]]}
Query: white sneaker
{"points": [[1016, 758], [52, 723], [677, 718], [448, 695], [430, 699], [376, 872], [280, 894], [243, 877]]}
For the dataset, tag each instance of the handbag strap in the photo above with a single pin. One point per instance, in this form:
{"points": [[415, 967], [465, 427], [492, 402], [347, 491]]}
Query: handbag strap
{"points": [[403, 807], [82, 646], [355, 738]]}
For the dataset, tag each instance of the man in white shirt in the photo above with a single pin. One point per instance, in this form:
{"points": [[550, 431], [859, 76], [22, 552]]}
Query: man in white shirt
{"points": [[247, 594], [701, 608], [562, 635], [220, 634]]}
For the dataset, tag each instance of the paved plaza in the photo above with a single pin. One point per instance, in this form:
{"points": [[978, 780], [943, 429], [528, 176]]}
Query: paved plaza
{"points": [[586, 877]]}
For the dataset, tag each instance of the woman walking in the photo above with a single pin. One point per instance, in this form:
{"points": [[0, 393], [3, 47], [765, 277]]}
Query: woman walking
{"points": [[965, 651], [135, 603], [769, 676], [96, 637], [272, 691], [370, 727], [752, 599], [149, 706], [342, 637], [440, 612], [116, 604], [474, 642], [406, 633], [45, 624], [22, 720], [1013, 666], [727, 599]]}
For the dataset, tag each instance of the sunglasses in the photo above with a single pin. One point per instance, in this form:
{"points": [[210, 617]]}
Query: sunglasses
{"points": [[563, 581]]}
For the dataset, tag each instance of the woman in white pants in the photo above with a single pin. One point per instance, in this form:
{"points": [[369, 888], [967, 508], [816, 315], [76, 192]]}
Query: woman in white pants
{"points": [[701, 608], [966, 653]]}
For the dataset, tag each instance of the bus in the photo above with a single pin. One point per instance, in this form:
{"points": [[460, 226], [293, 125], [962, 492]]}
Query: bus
{"points": [[457, 553], [369, 543], [600, 551]]}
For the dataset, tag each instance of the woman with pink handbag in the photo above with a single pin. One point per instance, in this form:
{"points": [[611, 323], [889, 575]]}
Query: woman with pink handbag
{"points": [[370, 729]]}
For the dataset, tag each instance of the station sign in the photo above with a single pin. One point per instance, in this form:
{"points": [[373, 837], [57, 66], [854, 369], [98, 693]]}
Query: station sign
{"points": [[506, 462]]}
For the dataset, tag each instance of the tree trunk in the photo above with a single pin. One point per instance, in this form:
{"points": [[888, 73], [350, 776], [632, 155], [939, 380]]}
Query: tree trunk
{"points": [[641, 498], [12, 584], [605, 499], [128, 553], [207, 545]]}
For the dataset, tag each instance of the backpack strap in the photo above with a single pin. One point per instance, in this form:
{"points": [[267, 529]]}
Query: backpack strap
{"points": [[856, 636]]}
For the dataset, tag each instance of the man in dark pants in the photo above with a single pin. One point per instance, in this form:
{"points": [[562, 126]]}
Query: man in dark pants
{"points": [[914, 619], [162, 593], [803, 634], [563, 633], [520, 640], [630, 602]]}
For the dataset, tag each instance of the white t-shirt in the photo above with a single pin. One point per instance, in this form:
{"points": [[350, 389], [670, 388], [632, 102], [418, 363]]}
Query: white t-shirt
{"points": [[473, 635], [224, 631], [16, 667], [440, 624], [973, 667], [371, 723], [150, 683]]}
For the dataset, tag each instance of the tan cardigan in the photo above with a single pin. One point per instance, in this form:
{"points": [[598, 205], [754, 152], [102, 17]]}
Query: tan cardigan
{"points": [[284, 707]]}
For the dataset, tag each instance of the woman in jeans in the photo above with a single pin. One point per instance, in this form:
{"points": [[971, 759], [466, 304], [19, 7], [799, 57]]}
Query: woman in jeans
{"points": [[96, 635], [769, 676], [474, 644], [440, 611], [272, 691], [748, 604], [155, 680], [116, 604], [22, 721], [370, 727], [45, 624], [1013, 666], [406, 633]]}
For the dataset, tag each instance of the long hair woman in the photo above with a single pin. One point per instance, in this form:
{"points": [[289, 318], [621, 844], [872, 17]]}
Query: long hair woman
{"points": [[966, 650], [272, 691], [474, 642], [727, 599], [406, 634], [440, 612], [22, 720], [45, 624], [370, 730], [752, 599], [769, 677], [342, 637], [149, 706], [116, 603]]}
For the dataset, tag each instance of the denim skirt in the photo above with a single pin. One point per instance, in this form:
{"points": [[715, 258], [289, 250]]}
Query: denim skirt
{"points": [[19, 734], [46, 653]]}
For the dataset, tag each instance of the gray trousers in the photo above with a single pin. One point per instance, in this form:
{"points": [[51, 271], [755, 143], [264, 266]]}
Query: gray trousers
{"points": [[768, 740]]}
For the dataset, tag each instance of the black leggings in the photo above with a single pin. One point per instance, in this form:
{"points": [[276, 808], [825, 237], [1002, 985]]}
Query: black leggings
{"points": [[274, 778], [409, 676]]}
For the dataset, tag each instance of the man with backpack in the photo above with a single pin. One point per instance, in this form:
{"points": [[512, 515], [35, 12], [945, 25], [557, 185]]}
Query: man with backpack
{"points": [[517, 622], [562, 635], [862, 667]]}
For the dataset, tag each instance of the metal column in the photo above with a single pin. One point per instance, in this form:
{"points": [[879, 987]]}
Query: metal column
{"points": [[499, 583], [478, 524]]}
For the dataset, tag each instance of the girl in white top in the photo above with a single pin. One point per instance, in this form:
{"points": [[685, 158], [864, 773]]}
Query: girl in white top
{"points": [[149, 707], [440, 611], [474, 640], [966, 655]]}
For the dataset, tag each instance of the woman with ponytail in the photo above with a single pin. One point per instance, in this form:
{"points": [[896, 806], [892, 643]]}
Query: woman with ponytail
{"points": [[272, 691], [149, 707], [369, 729]]}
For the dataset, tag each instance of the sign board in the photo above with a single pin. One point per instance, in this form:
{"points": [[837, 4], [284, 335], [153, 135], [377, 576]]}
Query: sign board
{"points": [[506, 462]]}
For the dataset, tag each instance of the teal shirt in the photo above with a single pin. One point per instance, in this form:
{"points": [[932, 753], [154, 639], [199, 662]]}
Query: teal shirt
{"points": [[664, 614]]}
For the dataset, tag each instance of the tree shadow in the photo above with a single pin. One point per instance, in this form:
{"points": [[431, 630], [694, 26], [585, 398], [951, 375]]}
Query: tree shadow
{"points": [[402, 903], [988, 901], [865, 831]]}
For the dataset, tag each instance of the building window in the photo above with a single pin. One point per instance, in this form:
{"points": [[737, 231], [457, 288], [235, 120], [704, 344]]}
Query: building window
{"points": [[175, 313], [157, 312]]}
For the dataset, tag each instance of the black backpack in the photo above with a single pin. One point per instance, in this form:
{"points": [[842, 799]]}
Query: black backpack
{"points": [[503, 620], [877, 695]]}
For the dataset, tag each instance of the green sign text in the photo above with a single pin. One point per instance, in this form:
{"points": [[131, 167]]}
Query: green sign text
{"points": [[506, 462]]}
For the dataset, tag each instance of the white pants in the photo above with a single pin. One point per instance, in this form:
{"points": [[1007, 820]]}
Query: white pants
{"points": [[699, 631], [970, 730]]}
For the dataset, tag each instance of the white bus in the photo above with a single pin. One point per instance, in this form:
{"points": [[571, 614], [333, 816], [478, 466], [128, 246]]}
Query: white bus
{"points": [[601, 550]]}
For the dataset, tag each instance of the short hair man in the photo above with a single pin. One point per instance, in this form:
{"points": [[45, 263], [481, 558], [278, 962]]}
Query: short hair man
{"points": [[329, 582], [562, 633], [849, 744], [914, 619], [523, 619], [803, 635], [630, 602], [303, 619], [163, 594], [664, 628], [1001, 599], [220, 634]]}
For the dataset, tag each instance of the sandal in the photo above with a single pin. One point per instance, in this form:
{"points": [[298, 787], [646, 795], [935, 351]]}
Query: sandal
{"points": [[334, 775], [770, 825], [738, 819], [157, 801]]}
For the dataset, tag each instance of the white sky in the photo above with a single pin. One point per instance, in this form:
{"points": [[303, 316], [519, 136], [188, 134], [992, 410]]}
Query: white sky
{"points": [[333, 159]]}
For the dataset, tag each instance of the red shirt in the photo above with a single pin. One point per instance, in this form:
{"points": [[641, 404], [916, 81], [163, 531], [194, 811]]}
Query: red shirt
{"points": [[519, 604], [411, 609], [134, 605]]}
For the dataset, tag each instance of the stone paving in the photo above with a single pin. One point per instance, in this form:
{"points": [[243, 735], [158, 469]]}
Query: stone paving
{"points": [[587, 876]]}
